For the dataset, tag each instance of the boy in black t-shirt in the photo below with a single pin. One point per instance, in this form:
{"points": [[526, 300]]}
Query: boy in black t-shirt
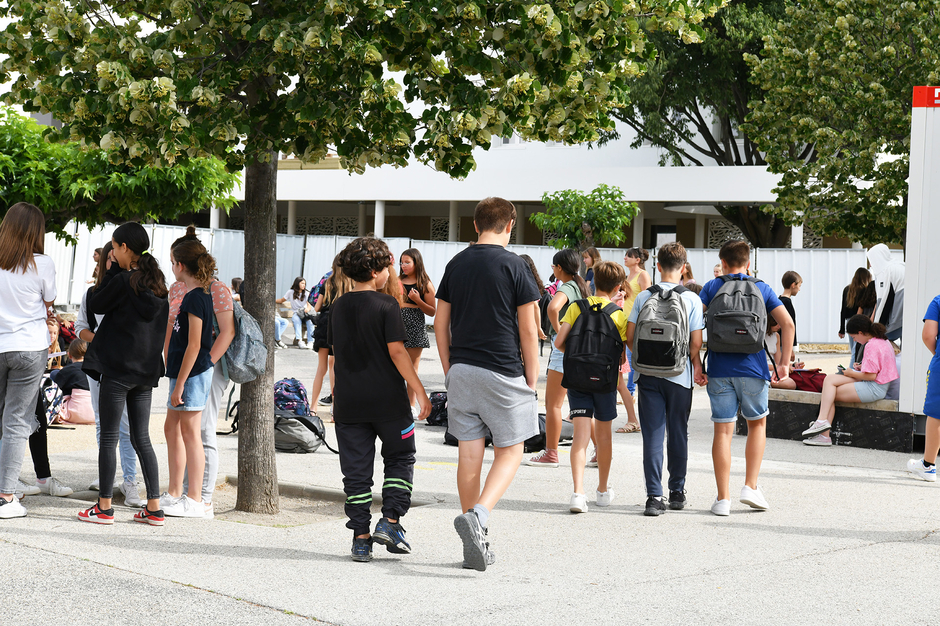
{"points": [[370, 398], [487, 338]]}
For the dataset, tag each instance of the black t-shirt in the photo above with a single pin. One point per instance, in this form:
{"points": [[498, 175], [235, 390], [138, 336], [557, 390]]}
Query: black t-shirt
{"points": [[484, 285], [368, 387], [788, 305], [71, 377], [199, 303]]}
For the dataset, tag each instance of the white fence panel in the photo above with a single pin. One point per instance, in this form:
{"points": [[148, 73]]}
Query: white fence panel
{"points": [[83, 265], [61, 254], [436, 255], [228, 248], [541, 256], [318, 257], [290, 257]]}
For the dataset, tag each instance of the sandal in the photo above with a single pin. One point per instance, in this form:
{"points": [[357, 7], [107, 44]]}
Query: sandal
{"points": [[629, 428]]}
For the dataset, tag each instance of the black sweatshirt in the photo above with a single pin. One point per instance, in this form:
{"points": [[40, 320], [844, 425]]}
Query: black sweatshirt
{"points": [[128, 344]]}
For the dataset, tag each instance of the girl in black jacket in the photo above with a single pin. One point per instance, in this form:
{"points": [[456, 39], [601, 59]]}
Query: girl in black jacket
{"points": [[127, 360]]}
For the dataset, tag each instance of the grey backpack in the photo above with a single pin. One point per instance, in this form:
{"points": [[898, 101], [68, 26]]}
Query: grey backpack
{"points": [[736, 318], [247, 355], [661, 336], [294, 433]]}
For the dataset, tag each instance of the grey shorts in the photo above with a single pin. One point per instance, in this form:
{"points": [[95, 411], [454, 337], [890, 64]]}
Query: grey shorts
{"points": [[479, 399]]}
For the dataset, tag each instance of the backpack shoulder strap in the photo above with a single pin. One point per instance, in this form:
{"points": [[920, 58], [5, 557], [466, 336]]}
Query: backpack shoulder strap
{"points": [[679, 290], [611, 308], [655, 289]]}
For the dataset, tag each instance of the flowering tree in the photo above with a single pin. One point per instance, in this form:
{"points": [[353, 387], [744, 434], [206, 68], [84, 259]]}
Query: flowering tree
{"points": [[581, 220]]}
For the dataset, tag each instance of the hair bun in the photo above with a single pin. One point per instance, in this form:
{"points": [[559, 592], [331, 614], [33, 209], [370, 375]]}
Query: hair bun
{"points": [[191, 231]]}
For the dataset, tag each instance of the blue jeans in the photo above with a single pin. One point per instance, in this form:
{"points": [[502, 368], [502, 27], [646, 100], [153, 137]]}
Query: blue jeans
{"points": [[128, 457], [663, 410], [295, 318], [20, 375], [727, 394], [280, 325], [631, 385]]}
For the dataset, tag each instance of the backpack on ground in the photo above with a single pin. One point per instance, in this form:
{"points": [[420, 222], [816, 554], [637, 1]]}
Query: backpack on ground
{"points": [[247, 355], [438, 414], [661, 337], [736, 318], [290, 396], [291, 405], [593, 350], [49, 403], [537, 442]]}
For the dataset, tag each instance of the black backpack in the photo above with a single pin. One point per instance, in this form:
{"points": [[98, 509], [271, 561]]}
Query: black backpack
{"points": [[593, 350], [438, 414], [545, 300], [736, 318]]}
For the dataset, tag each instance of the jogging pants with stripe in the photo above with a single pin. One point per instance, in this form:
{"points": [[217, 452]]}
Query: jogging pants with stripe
{"points": [[356, 460]]}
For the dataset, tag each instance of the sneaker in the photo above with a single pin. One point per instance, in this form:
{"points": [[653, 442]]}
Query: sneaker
{"points": [[146, 516], [415, 412], [185, 507], [310, 345], [26, 490], [326, 400], [362, 549], [754, 498], [95, 515], [303, 345], [210, 510], [819, 426], [593, 461], [822, 439], [677, 500], [392, 536], [654, 506], [490, 556], [167, 500], [919, 470], [95, 485], [605, 498], [131, 495], [54, 488], [474, 541], [721, 507], [578, 503], [545, 458], [11, 508], [279, 345]]}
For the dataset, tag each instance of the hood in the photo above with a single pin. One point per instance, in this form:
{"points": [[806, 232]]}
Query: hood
{"points": [[149, 306], [879, 257]]}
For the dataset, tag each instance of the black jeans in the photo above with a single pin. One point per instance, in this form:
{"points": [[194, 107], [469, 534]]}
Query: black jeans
{"points": [[112, 395]]}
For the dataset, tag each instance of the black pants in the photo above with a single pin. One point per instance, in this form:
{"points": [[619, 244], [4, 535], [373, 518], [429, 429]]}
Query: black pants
{"points": [[112, 395], [663, 410], [356, 459], [39, 444]]}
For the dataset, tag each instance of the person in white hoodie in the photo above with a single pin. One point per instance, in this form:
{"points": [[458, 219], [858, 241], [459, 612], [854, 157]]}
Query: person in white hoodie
{"points": [[888, 276]]}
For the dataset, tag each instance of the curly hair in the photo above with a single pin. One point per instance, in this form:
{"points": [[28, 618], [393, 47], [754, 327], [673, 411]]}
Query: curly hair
{"points": [[196, 260], [363, 256]]}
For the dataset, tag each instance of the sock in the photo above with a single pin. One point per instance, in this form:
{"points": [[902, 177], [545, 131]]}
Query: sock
{"points": [[482, 513], [41, 481], [928, 465]]}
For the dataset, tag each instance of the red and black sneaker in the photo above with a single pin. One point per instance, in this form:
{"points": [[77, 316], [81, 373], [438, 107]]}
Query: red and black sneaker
{"points": [[146, 516], [97, 516]]}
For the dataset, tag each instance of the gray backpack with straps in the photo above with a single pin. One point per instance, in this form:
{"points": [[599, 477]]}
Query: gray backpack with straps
{"points": [[247, 355], [661, 336], [736, 318]]}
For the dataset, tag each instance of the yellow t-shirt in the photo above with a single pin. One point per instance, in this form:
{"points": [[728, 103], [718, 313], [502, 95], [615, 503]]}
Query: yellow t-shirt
{"points": [[619, 317]]}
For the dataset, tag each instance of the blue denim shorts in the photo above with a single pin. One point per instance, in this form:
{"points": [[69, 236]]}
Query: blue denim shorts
{"points": [[727, 394], [556, 359], [195, 392], [870, 391]]}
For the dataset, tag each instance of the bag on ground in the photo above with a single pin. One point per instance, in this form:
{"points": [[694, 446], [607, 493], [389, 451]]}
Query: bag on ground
{"points": [[50, 400], [290, 396], [247, 355], [661, 336], [593, 350], [295, 433], [537, 442], [438, 414], [736, 318]]}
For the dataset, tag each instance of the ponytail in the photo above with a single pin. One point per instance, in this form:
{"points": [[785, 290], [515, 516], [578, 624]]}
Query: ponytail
{"points": [[570, 262], [862, 324], [149, 276], [199, 264]]}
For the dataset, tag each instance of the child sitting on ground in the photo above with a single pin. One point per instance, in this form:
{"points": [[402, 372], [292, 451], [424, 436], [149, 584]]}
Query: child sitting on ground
{"points": [[76, 397]]}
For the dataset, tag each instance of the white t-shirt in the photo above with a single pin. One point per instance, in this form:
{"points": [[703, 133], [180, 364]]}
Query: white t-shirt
{"points": [[22, 306], [297, 305]]}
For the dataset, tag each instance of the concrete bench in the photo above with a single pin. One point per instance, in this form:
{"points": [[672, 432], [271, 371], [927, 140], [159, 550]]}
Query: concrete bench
{"points": [[876, 425]]}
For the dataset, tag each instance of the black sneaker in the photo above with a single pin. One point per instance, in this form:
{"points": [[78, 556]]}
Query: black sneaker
{"points": [[392, 536], [326, 400], [677, 500], [362, 549], [654, 506]]}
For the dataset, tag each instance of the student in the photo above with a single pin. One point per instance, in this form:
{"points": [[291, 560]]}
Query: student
{"points": [[851, 303], [486, 337], [868, 384], [687, 277], [716, 271], [741, 381], [591, 257], [126, 358], [419, 302], [639, 280], [772, 348], [76, 395], [297, 297], [926, 468], [792, 283], [543, 294], [587, 408], [888, 280], [337, 283], [373, 377], [624, 295], [27, 282], [665, 403]]}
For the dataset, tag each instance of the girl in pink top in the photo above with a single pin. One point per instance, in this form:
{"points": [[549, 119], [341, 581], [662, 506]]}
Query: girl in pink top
{"points": [[865, 382]]}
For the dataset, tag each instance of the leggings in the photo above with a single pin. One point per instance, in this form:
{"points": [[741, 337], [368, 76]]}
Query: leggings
{"points": [[112, 397], [39, 444]]}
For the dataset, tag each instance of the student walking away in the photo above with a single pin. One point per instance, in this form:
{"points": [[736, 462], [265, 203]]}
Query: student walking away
{"points": [[665, 328], [792, 284], [300, 312], [486, 337], [854, 295], [419, 302], [639, 280], [222, 325], [591, 336], [590, 257], [27, 282], [373, 377], [736, 310], [867, 382], [573, 288], [126, 358], [337, 283], [542, 324], [926, 468], [888, 276], [86, 325]]}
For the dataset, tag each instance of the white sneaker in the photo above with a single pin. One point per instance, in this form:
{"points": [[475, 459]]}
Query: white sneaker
{"points": [[592, 460], [605, 498], [310, 345], [27, 490], [54, 488], [754, 498], [95, 485], [11, 509], [185, 507], [578, 503], [210, 510], [822, 439], [303, 345], [722, 507], [917, 468], [131, 494], [819, 426], [167, 500]]}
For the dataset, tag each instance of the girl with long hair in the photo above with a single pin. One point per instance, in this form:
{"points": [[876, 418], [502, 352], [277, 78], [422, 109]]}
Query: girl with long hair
{"points": [[634, 259], [542, 294], [334, 287], [854, 295], [687, 277], [297, 297], [419, 302], [591, 257]]}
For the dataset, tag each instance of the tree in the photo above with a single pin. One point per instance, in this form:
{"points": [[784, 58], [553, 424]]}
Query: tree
{"points": [[694, 99], [156, 81], [839, 74], [71, 183], [579, 219]]}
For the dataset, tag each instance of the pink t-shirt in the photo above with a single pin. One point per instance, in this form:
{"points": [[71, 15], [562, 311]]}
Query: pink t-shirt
{"points": [[221, 297], [879, 359]]}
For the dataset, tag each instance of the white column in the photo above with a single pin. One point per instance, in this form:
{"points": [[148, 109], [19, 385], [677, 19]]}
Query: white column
{"points": [[520, 224], [291, 217], [857, 245], [379, 229], [638, 230], [362, 219], [214, 217], [700, 225], [453, 223], [796, 237]]}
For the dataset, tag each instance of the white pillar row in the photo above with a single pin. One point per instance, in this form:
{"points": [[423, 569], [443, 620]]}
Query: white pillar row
{"points": [[520, 224], [638, 230], [379, 228], [453, 221], [700, 228], [214, 217], [291, 217], [796, 236]]}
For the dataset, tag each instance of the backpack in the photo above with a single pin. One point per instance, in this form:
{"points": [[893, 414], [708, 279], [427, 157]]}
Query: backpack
{"points": [[808, 380], [247, 355], [296, 433], [736, 318], [50, 400], [290, 396], [544, 301], [537, 442], [661, 337], [593, 350], [438, 414]]}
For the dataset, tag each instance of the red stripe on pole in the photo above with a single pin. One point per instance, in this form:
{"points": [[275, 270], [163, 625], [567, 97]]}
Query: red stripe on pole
{"points": [[927, 96]]}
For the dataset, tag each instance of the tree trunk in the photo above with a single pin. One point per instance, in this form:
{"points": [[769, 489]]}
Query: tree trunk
{"points": [[762, 229], [257, 467]]}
